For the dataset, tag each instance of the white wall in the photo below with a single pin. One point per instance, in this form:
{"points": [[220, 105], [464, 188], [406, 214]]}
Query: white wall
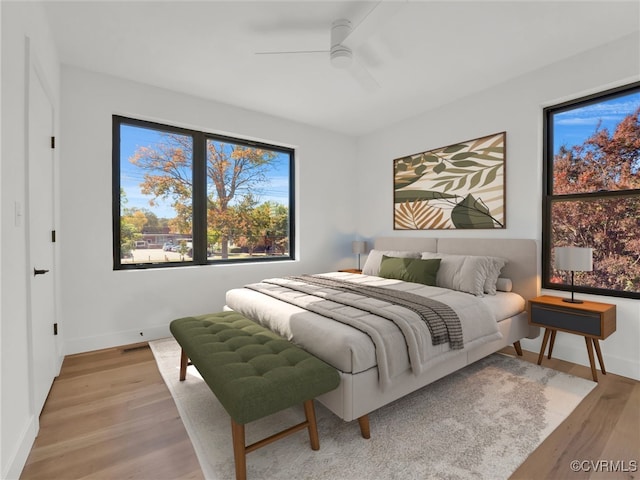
{"points": [[340, 183], [515, 107], [18, 422], [102, 307]]}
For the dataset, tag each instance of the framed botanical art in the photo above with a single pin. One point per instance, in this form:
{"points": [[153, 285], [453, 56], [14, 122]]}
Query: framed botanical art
{"points": [[461, 186]]}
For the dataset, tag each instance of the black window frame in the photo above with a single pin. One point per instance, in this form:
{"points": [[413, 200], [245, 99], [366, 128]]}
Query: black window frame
{"points": [[548, 198], [199, 201]]}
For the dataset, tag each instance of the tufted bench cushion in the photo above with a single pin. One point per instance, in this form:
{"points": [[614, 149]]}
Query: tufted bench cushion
{"points": [[251, 370]]}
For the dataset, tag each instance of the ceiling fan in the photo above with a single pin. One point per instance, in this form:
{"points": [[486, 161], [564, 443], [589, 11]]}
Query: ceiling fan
{"points": [[345, 38]]}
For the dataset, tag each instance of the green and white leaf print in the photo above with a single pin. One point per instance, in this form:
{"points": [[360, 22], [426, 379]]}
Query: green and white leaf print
{"points": [[460, 186]]}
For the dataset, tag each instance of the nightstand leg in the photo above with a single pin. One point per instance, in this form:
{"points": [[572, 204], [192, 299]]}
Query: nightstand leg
{"points": [[596, 344], [545, 339], [592, 362], [552, 342]]}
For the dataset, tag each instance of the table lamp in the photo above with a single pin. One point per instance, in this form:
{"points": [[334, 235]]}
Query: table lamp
{"points": [[358, 247], [575, 259]]}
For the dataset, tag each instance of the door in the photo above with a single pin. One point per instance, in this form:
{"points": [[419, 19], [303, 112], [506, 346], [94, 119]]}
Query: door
{"points": [[44, 358]]}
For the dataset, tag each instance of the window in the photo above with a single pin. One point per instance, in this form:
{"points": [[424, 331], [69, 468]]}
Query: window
{"points": [[184, 197], [591, 194]]}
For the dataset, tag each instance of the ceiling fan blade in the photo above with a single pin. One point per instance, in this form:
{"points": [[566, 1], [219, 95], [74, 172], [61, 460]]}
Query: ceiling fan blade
{"points": [[372, 21], [363, 76], [292, 52]]}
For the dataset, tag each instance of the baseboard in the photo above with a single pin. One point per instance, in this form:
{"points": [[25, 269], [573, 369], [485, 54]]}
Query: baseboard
{"points": [[578, 354], [99, 342], [18, 458]]}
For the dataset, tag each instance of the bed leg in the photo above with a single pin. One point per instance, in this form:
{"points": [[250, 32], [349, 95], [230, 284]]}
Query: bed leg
{"points": [[364, 426], [518, 347], [184, 361]]}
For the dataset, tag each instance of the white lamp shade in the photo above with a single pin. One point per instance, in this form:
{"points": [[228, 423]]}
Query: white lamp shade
{"points": [[576, 259], [359, 246]]}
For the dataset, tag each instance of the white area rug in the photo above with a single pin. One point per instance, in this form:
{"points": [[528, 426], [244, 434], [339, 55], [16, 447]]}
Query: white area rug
{"points": [[479, 423]]}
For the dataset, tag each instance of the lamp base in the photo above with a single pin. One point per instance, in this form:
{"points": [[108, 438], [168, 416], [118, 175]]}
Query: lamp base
{"points": [[571, 300]]}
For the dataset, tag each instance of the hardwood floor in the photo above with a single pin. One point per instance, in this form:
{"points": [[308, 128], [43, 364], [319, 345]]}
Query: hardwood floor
{"points": [[604, 427], [109, 415]]}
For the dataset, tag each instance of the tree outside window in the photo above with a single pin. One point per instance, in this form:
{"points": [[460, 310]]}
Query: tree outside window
{"points": [[592, 190], [189, 197]]}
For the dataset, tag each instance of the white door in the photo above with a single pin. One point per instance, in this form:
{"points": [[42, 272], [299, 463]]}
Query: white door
{"points": [[44, 361]]}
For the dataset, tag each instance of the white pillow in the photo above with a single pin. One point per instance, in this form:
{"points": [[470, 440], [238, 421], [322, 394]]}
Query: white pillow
{"points": [[372, 264], [496, 265], [465, 273]]}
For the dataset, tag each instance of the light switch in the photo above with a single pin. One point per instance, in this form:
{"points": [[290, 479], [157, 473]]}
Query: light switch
{"points": [[18, 213]]}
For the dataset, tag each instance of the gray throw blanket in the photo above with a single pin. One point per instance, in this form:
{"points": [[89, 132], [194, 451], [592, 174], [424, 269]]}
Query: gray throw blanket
{"points": [[442, 321], [355, 305]]}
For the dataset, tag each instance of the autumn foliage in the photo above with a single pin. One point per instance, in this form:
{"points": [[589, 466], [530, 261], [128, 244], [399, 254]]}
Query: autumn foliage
{"points": [[596, 203], [235, 176]]}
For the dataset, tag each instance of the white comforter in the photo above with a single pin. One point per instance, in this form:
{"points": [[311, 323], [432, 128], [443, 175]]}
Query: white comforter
{"points": [[351, 350]]}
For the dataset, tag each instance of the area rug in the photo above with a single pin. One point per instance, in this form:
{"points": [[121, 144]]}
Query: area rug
{"points": [[481, 422]]}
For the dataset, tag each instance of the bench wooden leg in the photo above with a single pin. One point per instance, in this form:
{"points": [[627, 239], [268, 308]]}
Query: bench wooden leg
{"points": [[364, 426], [184, 361], [310, 413], [518, 348], [239, 450]]}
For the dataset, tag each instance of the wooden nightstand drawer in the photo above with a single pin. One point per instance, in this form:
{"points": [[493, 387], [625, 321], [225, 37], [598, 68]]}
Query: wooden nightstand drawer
{"points": [[587, 323], [593, 320]]}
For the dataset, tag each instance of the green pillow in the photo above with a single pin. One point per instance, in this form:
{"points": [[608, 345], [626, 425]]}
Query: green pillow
{"points": [[414, 270], [393, 267]]}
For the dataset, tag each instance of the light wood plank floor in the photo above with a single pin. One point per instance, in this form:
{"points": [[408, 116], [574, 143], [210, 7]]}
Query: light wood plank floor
{"points": [[605, 426], [109, 415]]}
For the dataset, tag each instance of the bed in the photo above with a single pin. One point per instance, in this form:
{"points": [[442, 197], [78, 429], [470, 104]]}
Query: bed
{"points": [[381, 363]]}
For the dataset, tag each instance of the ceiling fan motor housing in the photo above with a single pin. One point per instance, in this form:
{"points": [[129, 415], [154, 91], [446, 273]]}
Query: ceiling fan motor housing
{"points": [[340, 55]]}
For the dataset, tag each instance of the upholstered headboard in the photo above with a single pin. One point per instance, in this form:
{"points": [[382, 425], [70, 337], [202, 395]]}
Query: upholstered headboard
{"points": [[522, 255]]}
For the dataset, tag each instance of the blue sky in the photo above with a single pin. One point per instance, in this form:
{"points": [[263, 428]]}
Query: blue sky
{"points": [[575, 126], [132, 137]]}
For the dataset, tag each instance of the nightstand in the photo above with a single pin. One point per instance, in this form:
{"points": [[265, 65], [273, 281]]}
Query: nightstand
{"points": [[351, 270], [593, 320]]}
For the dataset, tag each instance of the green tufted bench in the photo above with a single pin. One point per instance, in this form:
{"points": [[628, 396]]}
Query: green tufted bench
{"points": [[253, 372]]}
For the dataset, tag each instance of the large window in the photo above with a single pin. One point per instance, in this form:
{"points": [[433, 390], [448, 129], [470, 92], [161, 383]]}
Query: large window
{"points": [[184, 197], [592, 190]]}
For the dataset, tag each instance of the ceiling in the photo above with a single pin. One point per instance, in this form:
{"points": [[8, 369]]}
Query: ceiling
{"points": [[422, 54]]}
